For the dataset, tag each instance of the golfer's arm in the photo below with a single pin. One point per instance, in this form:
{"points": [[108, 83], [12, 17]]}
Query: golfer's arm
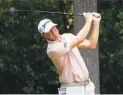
{"points": [[94, 35], [91, 43], [81, 35]]}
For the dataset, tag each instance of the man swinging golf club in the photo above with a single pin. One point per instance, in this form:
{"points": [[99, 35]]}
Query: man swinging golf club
{"points": [[64, 53]]}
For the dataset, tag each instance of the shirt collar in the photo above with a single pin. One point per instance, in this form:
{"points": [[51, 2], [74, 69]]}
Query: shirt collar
{"points": [[51, 42], [56, 41]]}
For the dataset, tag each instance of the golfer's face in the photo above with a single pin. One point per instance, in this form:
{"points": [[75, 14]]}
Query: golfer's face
{"points": [[54, 31], [52, 34]]}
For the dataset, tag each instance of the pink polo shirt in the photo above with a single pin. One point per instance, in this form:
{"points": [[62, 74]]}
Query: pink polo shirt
{"points": [[69, 63]]}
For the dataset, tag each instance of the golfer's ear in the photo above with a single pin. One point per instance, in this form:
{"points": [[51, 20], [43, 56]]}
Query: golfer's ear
{"points": [[42, 35]]}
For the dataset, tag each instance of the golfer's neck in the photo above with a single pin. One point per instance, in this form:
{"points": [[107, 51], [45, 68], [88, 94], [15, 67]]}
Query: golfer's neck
{"points": [[59, 37]]}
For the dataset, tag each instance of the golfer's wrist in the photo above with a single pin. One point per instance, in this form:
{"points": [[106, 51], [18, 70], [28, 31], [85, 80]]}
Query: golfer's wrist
{"points": [[88, 21]]}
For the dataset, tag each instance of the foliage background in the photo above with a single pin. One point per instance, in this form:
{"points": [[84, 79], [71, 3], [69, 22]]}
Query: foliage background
{"points": [[24, 64], [111, 47]]}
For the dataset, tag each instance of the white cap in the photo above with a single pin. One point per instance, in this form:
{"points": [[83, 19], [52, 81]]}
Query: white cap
{"points": [[45, 25]]}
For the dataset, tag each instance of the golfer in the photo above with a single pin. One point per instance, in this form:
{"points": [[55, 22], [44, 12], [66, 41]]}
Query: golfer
{"points": [[64, 53]]}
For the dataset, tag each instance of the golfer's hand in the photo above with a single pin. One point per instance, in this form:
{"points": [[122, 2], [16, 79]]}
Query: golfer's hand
{"points": [[96, 17], [88, 16]]}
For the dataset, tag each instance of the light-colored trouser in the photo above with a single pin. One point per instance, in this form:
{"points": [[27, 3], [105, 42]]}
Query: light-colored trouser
{"points": [[88, 89]]}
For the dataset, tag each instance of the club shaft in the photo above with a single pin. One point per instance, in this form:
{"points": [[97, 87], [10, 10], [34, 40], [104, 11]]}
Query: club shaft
{"points": [[48, 12]]}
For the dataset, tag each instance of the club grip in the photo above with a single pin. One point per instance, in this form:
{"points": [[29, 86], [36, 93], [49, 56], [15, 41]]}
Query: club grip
{"points": [[80, 14]]}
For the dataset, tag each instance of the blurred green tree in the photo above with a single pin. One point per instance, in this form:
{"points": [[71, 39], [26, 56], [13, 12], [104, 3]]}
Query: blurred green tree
{"points": [[24, 64]]}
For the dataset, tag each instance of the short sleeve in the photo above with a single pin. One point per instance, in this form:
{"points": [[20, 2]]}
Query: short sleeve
{"points": [[61, 48], [58, 50]]}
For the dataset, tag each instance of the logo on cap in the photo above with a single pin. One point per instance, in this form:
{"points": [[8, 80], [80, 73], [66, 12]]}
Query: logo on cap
{"points": [[45, 24]]}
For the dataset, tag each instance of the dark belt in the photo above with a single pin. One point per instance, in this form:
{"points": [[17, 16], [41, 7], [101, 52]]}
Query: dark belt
{"points": [[76, 84]]}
